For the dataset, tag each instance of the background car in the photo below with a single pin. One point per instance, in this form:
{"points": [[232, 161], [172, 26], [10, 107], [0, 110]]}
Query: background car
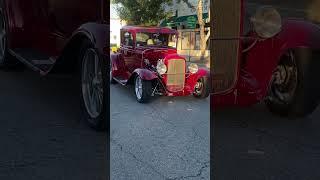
{"points": [[57, 35], [148, 59]]}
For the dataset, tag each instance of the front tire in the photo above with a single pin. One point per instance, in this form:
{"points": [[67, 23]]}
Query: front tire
{"points": [[293, 90], [93, 87], [142, 89], [202, 89]]}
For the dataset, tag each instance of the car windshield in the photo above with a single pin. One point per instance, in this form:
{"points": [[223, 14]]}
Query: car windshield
{"points": [[146, 39]]}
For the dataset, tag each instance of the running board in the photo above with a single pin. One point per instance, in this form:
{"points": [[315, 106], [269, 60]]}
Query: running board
{"points": [[36, 60], [121, 81]]}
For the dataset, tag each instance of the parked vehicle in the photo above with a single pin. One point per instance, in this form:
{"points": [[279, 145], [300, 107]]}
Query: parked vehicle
{"points": [[148, 59], [58, 35], [266, 50]]}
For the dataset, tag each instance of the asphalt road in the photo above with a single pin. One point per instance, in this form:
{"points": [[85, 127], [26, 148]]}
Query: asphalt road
{"points": [[165, 139], [41, 136], [254, 144]]}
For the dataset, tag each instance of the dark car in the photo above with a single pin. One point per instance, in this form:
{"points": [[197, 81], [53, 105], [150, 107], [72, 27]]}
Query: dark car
{"points": [[59, 35]]}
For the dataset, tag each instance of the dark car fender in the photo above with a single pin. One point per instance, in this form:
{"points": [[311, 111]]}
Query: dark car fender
{"points": [[96, 33], [264, 57]]}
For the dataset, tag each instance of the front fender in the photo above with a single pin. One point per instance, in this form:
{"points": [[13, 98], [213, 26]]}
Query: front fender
{"points": [[193, 78], [144, 74]]}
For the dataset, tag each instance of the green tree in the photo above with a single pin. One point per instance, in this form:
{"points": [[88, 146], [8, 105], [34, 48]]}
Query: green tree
{"points": [[142, 12]]}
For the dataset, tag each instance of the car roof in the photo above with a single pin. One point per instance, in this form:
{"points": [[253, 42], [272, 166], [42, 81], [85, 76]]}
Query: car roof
{"points": [[148, 29]]}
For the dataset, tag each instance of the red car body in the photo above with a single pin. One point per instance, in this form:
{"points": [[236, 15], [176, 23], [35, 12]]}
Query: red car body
{"points": [[50, 28], [251, 71], [129, 62]]}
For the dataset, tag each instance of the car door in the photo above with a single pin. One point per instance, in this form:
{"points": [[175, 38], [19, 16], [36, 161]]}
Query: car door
{"points": [[128, 50]]}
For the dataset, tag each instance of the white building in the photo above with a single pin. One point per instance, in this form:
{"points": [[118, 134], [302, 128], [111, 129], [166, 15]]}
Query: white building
{"points": [[115, 25]]}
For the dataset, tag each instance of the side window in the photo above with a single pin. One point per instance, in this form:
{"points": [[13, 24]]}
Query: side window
{"points": [[127, 38]]}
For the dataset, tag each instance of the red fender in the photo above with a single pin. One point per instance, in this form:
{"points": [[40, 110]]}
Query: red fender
{"points": [[193, 78], [144, 74], [118, 64], [263, 58]]}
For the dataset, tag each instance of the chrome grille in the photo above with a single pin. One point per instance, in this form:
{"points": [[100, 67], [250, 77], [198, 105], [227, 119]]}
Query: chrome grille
{"points": [[176, 74], [226, 26]]}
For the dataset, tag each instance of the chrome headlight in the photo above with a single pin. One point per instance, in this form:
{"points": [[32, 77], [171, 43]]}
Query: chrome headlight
{"points": [[193, 68], [267, 22], [161, 67]]}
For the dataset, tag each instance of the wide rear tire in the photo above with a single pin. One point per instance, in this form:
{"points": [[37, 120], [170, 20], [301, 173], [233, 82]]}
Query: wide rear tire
{"points": [[298, 97], [202, 89]]}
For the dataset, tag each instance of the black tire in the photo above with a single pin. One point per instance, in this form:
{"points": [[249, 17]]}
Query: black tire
{"points": [[99, 122], [146, 90], [304, 98], [203, 91], [112, 81], [7, 61], [4, 61]]}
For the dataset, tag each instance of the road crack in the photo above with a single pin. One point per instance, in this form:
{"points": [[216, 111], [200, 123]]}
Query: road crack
{"points": [[137, 159], [200, 171]]}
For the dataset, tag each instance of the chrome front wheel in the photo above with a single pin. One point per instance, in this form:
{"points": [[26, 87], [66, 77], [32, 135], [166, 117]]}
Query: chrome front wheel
{"points": [[142, 89], [92, 83]]}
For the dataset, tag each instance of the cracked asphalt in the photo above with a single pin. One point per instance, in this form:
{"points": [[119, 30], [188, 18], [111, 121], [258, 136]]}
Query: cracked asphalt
{"points": [[165, 139], [40, 134], [251, 143]]}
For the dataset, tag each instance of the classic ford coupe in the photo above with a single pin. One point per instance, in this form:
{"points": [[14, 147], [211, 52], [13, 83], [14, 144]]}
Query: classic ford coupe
{"points": [[148, 59], [266, 50], [59, 35]]}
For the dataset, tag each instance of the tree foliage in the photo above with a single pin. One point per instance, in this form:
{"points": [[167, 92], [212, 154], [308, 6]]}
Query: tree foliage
{"points": [[142, 12]]}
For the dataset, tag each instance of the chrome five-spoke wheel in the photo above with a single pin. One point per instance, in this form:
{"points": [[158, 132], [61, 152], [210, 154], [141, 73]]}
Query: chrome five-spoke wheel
{"points": [[92, 83]]}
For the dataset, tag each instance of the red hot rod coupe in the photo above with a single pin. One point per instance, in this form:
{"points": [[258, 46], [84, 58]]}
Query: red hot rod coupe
{"points": [[59, 35], [266, 50], [148, 59]]}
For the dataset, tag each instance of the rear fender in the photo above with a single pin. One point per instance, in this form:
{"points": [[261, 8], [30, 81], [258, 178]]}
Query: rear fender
{"points": [[118, 64]]}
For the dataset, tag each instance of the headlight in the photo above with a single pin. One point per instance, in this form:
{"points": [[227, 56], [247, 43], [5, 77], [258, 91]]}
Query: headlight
{"points": [[193, 68], [161, 67], [267, 22]]}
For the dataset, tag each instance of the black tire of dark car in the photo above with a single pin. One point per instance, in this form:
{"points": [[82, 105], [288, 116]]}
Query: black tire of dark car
{"points": [[304, 97], [99, 120], [203, 88], [144, 88], [5, 59]]}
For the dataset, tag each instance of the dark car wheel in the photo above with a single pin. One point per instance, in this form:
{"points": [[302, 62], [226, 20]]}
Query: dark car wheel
{"points": [[202, 88], [5, 59], [142, 89], [292, 92], [3, 39], [112, 81], [93, 87]]}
